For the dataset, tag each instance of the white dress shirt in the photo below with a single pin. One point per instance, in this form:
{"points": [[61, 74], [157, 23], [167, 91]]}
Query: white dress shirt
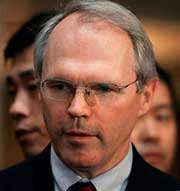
{"points": [[115, 179]]}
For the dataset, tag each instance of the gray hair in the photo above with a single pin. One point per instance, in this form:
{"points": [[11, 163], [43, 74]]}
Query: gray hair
{"points": [[114, 13]]}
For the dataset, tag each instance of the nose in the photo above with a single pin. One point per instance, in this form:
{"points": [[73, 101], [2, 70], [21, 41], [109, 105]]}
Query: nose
{"points": [[20, 107], [151, 132], [79, 106]]}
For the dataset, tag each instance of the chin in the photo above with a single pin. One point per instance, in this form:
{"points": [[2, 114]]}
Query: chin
{"points": [[30, 151], [81, 160]]}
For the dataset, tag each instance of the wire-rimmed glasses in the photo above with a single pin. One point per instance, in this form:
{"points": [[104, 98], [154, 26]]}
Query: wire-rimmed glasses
{"points": [[64, 91]]}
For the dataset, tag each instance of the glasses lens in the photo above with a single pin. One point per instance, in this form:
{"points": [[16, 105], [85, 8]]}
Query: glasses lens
{"points": [[64, 91], [58, 90], [90, 96]]}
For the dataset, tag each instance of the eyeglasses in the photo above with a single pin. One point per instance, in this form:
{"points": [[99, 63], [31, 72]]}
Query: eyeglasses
{"points": [[64, 91]]}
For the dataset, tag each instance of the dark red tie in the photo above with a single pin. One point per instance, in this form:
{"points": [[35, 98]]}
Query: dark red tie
{"points": [[82, 186]]}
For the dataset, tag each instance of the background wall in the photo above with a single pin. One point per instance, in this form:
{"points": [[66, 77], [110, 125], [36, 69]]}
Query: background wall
{"points": [[161, 20]]}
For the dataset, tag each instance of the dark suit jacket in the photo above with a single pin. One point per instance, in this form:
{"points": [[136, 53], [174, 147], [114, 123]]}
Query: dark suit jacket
{"points": [[36, 175]]}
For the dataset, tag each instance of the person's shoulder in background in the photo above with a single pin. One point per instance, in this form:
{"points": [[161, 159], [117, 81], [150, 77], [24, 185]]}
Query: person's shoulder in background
{"points": [[145, 177]]}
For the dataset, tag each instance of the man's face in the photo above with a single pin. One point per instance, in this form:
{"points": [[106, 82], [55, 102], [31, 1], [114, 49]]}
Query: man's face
{"points": [[24, 106], [155, 134], [91, 138]]}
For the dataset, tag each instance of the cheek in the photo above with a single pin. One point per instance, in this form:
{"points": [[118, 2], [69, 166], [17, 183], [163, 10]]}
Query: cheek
{"points": [[169, 138], [169, 141], [115, 120], [139, 131], [134, 136], [54, 115], [36, 111]]}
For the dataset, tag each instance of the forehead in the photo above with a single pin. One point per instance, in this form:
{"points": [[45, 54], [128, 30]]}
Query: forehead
{"points": [[76, 28], [89, 45], [24, 57], [22, 63], [20, 71]]}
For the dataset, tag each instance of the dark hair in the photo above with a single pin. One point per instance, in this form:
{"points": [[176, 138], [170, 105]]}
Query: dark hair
{"points": [[26, 34], [166, 79]]}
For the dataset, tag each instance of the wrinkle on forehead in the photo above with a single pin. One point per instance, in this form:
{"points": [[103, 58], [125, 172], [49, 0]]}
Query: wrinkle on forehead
{"points": [[71, 36], [88, 21]]}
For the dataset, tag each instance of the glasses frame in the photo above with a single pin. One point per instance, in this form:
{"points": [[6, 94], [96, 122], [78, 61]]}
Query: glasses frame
{"points": [[88, 91]]}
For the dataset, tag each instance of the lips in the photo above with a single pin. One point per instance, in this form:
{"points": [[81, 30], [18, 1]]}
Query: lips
{"points": [[26, 136], [152, 157], [79, 135]]}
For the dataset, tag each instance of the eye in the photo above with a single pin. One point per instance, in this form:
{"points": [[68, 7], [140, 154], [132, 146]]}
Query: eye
{"points": [[11, 90], [103, 88], [59, 86], [32, 87], [163, 117]]}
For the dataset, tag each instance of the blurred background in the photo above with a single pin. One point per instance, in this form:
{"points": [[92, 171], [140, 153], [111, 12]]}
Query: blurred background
{"points": [[161, 20]]}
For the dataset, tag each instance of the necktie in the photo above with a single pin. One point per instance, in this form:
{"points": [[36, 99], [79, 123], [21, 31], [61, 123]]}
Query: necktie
{"points": [[82, 186]]}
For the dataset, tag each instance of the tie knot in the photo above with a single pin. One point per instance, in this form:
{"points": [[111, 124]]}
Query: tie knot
{"points": [[82, 186]]}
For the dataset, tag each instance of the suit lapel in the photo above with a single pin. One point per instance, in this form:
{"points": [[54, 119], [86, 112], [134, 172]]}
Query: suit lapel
{"points": [[41, 170], [137, 179]]}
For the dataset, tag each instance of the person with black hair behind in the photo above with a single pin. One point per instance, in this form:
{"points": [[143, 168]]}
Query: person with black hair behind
{"points": [[24, 107], [156, 134]]}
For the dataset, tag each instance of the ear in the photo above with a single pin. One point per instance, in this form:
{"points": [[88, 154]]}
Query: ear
{"points": [[147, 96]]}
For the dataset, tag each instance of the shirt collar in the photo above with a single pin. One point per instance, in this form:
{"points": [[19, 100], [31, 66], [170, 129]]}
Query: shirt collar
{"points": [[113, 179]]}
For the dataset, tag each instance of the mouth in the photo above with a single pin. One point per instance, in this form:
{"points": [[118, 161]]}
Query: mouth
{"points": [[79, 136], [152, 157], [25, 136]]}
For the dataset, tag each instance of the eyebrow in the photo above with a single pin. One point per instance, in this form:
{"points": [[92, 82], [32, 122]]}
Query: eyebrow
{"points": [[164, 106], [27, 73], [24, 74]]}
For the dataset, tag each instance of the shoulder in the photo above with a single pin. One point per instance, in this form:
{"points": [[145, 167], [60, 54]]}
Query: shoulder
{"points": [[26, 173], [160, 179], [145, 177]]}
